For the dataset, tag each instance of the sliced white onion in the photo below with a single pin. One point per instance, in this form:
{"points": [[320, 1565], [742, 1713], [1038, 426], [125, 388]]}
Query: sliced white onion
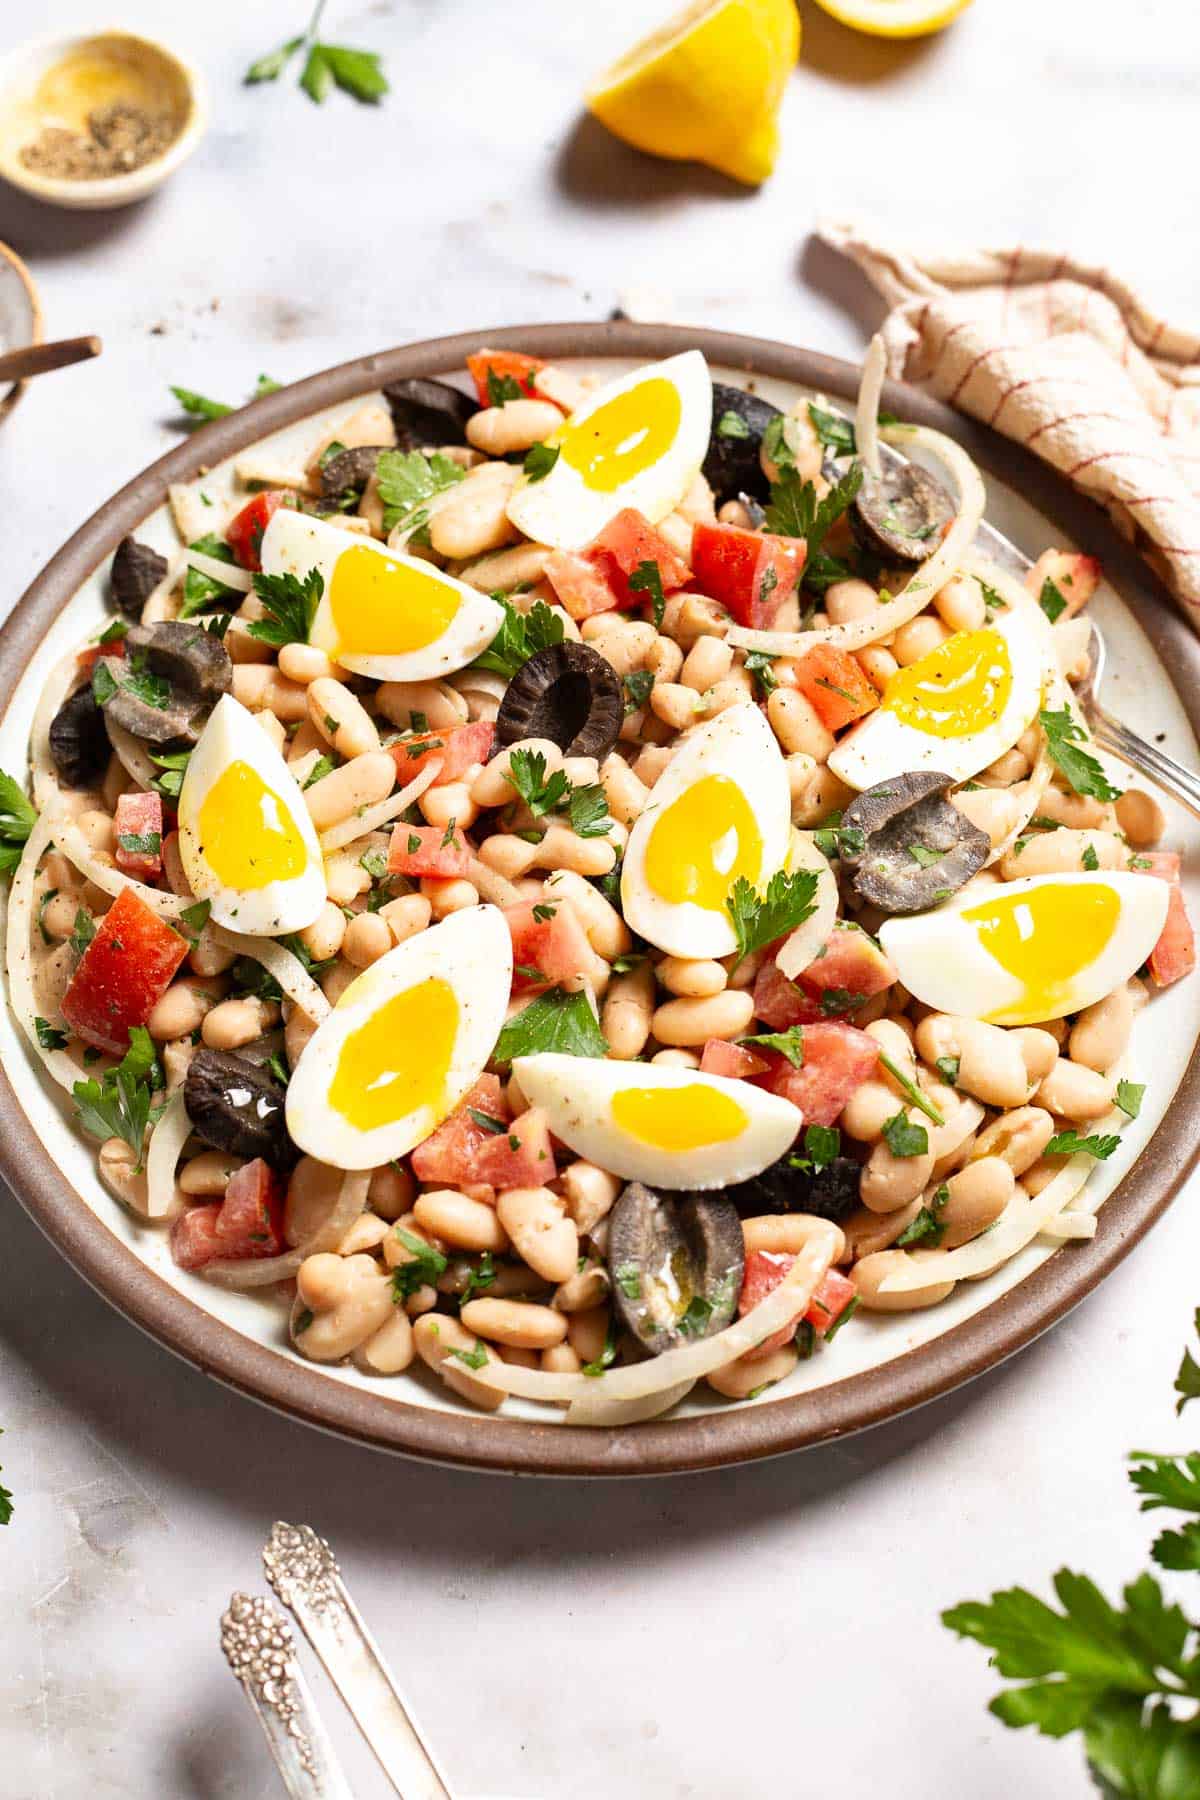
{"points": [[491, 885], [280, 963], [382, 813], [595, 1410], [166, 1143], [866, 418], [261, 1271], [946, 560], [156, 599], [639, 1381], [804, 943], [230, 575], [131, 753], [1070, 1226], [75, 847], [18, 953], [478, 681]]}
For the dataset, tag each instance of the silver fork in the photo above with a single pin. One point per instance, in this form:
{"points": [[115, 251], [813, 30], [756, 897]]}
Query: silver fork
{"points": [[1172, 777]]}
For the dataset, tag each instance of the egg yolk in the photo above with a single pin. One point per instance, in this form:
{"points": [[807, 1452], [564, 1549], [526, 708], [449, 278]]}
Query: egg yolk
{"points": [[679, 1118], [625, 436], [398, 1059], [957, 689], [245, 833], [703, 842], [380, 607], [1044, 938]]}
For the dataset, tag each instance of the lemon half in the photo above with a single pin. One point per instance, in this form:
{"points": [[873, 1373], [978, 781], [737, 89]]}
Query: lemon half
{"points": [[706, 86], [895, 18]]}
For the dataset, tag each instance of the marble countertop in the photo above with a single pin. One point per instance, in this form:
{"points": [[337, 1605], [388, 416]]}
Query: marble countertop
{"points": [[760, 1631]]}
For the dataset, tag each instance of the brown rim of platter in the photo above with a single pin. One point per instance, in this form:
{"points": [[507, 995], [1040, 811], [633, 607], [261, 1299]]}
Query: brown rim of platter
{"points": [[659, 1447]]}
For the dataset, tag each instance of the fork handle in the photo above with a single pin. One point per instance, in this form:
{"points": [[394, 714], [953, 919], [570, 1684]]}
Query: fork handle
{"points": [[1172, 777]]}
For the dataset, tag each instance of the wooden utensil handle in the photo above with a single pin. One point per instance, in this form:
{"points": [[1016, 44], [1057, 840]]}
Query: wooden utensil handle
{"points": [[39, 359]]}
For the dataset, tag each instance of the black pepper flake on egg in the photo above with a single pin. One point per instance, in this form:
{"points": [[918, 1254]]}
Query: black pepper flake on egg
{"points": [[568, 693]]}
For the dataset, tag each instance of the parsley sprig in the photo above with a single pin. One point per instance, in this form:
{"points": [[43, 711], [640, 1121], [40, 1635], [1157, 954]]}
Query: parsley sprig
{"points": [[290, 605], [520, 636], [406, 480], [358, 73], [18, 817], [1064, 735], [585, 806], [758, 919], [795, 511], [555, 1021], [122, 1103]]}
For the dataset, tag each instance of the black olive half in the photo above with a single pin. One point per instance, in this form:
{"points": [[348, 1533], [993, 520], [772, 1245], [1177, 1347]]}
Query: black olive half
{"points": [[136, 572], [78, 741], [676, 1262], [568, 693], [901, 514], [917, 848], [193, 664], [349, 471], [237, 1107], [428, 412], [830, 1192], [731, 465]]}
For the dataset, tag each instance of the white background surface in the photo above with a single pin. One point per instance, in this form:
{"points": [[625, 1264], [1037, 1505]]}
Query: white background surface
{"points": [[764, 1631]]}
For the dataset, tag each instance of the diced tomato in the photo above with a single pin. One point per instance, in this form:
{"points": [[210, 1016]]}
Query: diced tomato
{"points": [[1075, 576], [751, 573], [838, 1058], [124, 971], [721, 1058], [581, 586], [87, 659], [628, 541], [245, 533], [765, 1269], [522, 1156], [549, 949], [500, 363], [450, 1154], [781, 1003], [834, 686], [1174, 955], [246, 1224], [848, 962], [139, 816], [458, 748], [423, 850]]}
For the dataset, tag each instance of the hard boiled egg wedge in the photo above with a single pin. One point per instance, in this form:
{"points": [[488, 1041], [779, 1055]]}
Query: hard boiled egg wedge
{"points": [[1030, 950], [955, 710], [719, 811], [637, 442], [246, 840], [382, 613], [671, 1128], [403, 1044]]}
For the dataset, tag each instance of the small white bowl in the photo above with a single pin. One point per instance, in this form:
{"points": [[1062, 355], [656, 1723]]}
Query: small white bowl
{"points": [[20, 318], [176, 85]]}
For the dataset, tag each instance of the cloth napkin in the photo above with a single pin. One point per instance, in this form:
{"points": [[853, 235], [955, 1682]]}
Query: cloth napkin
{"points": [[1069, 361]]}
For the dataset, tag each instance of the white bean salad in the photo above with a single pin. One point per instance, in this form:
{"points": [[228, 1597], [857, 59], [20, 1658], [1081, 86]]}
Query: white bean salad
{"points": [[585, 885]]}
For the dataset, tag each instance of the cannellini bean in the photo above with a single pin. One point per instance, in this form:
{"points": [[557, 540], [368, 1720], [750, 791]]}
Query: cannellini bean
{"points": [[208, 957], [366, 1233], [389, 1350], [57, 916], [449, 802], [260, 687], [1141, 818], [889, 1181], [1016, 1138], [604, 928], [237, 1022], [493, 786], [368, 937], [823, 794], [303, 663], [542, 1232], [878, 665], [342, 720], [999, 1067], [515, 1322], [467, 1224], [960, 604], [974, 1199], [588, 1287], [349, 1299], [406, 703], [872, 1271], [739, 1379], [472, 518], [918, 638], [98, 829], [676, 1059], [561, 849], [624, 644], [440, 1342], [590, 1194], [208, 1173], [515, 425], [345, 878], [1075, 1092], [587, 1333], [272, 729], [676, 705], [297, 1031], [796, 724], [182, 1009], [1061, 852], [627, 1011], [994, 810], [446, 897], [708, 661], [506, 569], [115, 1165], [867, 1232], [1079, 812], [323, 938], [847, 600], [391, 1191], [784, 1234], [691, 976], [406, 915], [357, 784], [687, 1022], [1100, 1035]]}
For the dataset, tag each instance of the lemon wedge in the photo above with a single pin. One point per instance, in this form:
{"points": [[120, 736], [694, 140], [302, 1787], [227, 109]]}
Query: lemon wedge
{"points": [[895, 18], [706, 86]]}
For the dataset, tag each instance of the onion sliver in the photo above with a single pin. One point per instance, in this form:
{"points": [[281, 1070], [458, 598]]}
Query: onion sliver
{"points": [[866, 418], [18, 953], [946, 561], [262, 1271], [75, 847], [802, 946], [670, 1370], [151, 606], [599, 1411], [382, 813], [131, 753], [166, 1142], [228, 574], [279, 962], [491, 885]]}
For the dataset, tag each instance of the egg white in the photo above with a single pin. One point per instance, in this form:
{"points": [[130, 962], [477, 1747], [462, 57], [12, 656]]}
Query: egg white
{"points": [[231, 736], [471, 951], [882, 745], [294, 543], [564, 511], [577, 1095], [738, 744], [940, 958]]}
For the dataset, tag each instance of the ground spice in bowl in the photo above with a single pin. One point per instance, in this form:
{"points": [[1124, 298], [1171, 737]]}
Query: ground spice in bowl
{"points": [[120, 137]]}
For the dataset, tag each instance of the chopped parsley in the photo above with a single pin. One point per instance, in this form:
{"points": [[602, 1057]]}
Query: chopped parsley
{"points": [[789, 1043], [903, 1138], [121, 1105], [923, 857], [290, 605], [17, 819], [795, 511], [48, 1036], [406, 480], [1064, 735], [1051, 600], [731, 425], [646, 579], [695, 1319], [947, 1068], [758, 919], [539, 460], [173, 764], [520, 636], [201, 590], [761, 667], [1069, 1143], [637, 689], [556, 1021], [423, 1270], [1129, 1097], [910, 1089], [608, 1354], [628, 1278], [1089, 859]]}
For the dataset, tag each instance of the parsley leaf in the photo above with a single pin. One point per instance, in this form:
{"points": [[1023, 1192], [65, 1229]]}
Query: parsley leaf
{"points": [[18, 817], [406, 479], [358, 73], [1051, 601], [789, 1043], [502, 388], [923, 857], [199, 406], [475, 1358], [903, 1138], [758, 919], [647, 579], [731, 425], [480, 1277], [1129, 1097], [840, 840], [201, 590], [1063, 736], [761, 666], [271, 66], [947, 1068], [539, 460], [588, 811], [520, 636], [84, 931], [555, 1021], [1068, 1143], [822, 1144], [925, 1227], [694, 1322], [121, 1105], [173, 764], [608, 1354], [833, 432], [290, 605], [324, 765], [794, 510], [910, 1089], [1089, 859], [527, 774], [422, 1270], [637, 689], [48, 1036]]}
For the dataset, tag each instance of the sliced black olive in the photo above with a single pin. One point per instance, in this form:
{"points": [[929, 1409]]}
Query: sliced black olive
{"points": [[676, 1262], [136, 572], [185, 669], [917, 848], [236, 1106], [568, 693], [428, 412], [349, 471], [731, 465], [830, 1192], [901, 515], [78, 741]]}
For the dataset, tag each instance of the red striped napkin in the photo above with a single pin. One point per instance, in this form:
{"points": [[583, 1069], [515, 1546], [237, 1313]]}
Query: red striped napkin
{"points": [[1066, 359]]}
